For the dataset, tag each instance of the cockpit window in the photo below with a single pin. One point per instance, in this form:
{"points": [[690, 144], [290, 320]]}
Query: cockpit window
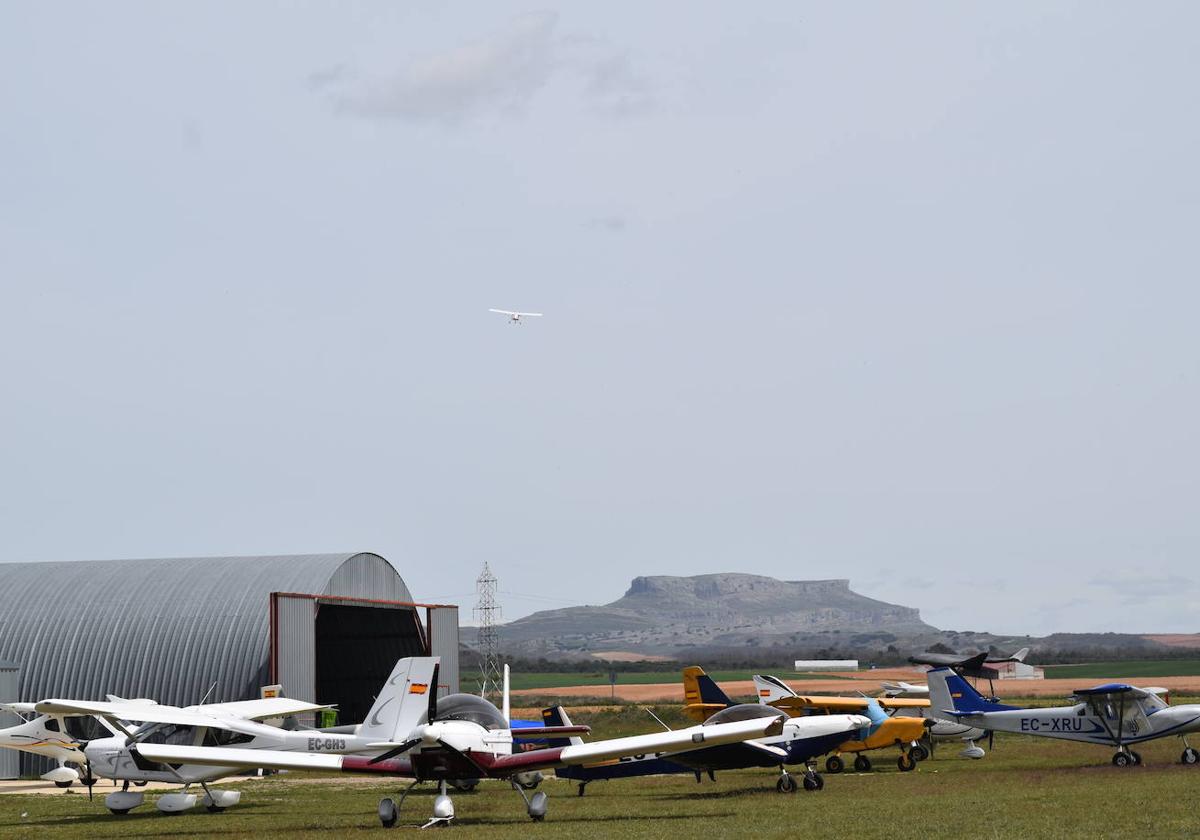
{"points": [[745, 711], [471, 708], [51, 724]]}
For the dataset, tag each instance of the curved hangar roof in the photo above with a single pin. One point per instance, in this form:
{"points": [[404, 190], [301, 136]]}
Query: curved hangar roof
{"points": [[83, 629]]}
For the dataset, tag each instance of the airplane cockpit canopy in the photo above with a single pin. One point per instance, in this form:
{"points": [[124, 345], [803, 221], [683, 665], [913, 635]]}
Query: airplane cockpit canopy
{"points": [[470, 708], [745, 711]]}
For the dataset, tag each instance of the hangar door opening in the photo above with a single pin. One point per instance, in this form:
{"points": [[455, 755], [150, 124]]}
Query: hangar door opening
{"points": [[338, 651]]}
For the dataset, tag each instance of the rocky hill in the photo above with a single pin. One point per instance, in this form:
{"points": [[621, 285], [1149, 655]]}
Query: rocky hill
{"points": [[668, 615]]}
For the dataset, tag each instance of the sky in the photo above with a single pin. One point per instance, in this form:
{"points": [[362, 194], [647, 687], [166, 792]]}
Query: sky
{"points": [[899, 293]]}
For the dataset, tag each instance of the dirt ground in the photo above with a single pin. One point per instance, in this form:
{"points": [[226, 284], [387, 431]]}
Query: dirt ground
{"points": [[866, 682]]}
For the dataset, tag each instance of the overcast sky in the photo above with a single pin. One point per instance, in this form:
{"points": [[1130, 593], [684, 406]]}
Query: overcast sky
{"points": [[900, 293]]}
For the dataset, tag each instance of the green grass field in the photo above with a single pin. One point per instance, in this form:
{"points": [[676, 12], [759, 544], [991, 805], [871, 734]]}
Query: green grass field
{"points": [[1125, 670], [1026, 787]]}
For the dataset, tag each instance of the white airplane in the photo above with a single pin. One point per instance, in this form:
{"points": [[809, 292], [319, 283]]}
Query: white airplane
{"points": [[943, 729], [45, 735], [1113, 714], [461, 736], [515, 317]]}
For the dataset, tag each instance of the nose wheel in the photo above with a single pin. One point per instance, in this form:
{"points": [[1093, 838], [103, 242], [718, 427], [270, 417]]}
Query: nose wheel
{"points": [[1190, 756]]}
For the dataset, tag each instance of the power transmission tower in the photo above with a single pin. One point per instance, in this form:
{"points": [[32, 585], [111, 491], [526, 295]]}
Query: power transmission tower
{"points": [[487, 617]]}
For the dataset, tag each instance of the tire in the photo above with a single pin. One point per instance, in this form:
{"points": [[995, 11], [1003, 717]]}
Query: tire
{"points": [[63, 785], [1137, 758], [834, 764], [814, 783], [919, 752], [906, 762], [1190, 756], [120, 812], [862, 764], [389, 814], [139, 784], [1121, 760], [538, 818], [787, 784], [214, 809]]}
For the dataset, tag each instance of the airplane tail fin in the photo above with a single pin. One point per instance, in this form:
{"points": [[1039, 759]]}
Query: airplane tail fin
{"points": [[404, 701], [769, 689], [702, 696], [1020, 655], [557, 716], [949, 692]]}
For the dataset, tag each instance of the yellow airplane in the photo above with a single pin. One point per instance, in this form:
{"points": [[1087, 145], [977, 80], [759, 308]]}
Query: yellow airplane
{"points": [[887, 730]]}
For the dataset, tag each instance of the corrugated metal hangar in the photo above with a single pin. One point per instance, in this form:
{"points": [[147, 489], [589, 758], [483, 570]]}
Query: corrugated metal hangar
{"points": [[327, 627]]}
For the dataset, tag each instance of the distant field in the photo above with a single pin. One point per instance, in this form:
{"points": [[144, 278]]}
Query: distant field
{"points": [[1125, 670], [560, 679]]}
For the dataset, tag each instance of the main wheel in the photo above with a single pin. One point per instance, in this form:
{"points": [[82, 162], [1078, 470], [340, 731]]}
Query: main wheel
{"points": [[1190, 756], [214, 809], [119, 811], [905, 762], [919, 752], [388, 812], [1122, 760], [834, 764], [140, 784], [862, 764], [1137, 757], [63, 785], [813, 782], [787, 784]]}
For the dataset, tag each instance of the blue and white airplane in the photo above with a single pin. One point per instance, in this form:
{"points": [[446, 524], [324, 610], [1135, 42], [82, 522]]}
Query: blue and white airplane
{"points": [[1113, 714]]}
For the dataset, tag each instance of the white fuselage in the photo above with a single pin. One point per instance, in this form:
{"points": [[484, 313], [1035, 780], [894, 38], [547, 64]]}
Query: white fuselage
{"points": [[1094, 725], [44, 735]]}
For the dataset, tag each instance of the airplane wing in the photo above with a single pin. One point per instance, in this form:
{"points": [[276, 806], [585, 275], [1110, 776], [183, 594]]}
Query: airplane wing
{"points": [[239, 757], [267, 707], [503, 312], [146, 713], [903, 703], [1112, 688], [18, 708], [801, 703]]}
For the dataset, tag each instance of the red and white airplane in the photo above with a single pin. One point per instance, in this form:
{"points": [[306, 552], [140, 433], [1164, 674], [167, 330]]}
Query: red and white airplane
{"points": [[457, 738]]}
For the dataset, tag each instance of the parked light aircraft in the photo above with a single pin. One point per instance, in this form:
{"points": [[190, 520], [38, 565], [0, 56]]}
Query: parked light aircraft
{"points": [[116, 757], [515, 317], [800, 741], [1112, 714], [971, 666], [943, 729], [45, 735], [885, 731], [459, 736]]}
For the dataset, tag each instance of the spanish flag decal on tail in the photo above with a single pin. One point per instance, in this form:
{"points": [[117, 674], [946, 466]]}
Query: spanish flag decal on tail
{"points": [[418, 688]]}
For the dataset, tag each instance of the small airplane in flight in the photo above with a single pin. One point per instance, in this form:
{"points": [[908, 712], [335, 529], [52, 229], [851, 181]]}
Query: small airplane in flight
{"points": [[515, 317], [1113, 714], [971, 666], [459, 737], [885, 731], [799, 742]]}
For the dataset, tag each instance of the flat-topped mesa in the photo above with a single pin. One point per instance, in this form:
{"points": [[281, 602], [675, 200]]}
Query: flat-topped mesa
{"points": [[664, 612]]}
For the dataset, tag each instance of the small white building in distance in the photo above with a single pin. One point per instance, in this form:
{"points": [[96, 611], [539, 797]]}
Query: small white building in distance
{"points": [[826, 665], [1018, 671]]}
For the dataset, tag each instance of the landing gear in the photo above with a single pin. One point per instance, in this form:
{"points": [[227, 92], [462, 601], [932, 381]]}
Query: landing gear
{"points": [[906, 762], [834, 764], [535, 805], [388, 812], [1122, 759], [1137, 758], [1190, 756], [583, 787], [389, 809], [919, 752], [63, 785], [862, 764], [813, 782], [786, 784]]}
